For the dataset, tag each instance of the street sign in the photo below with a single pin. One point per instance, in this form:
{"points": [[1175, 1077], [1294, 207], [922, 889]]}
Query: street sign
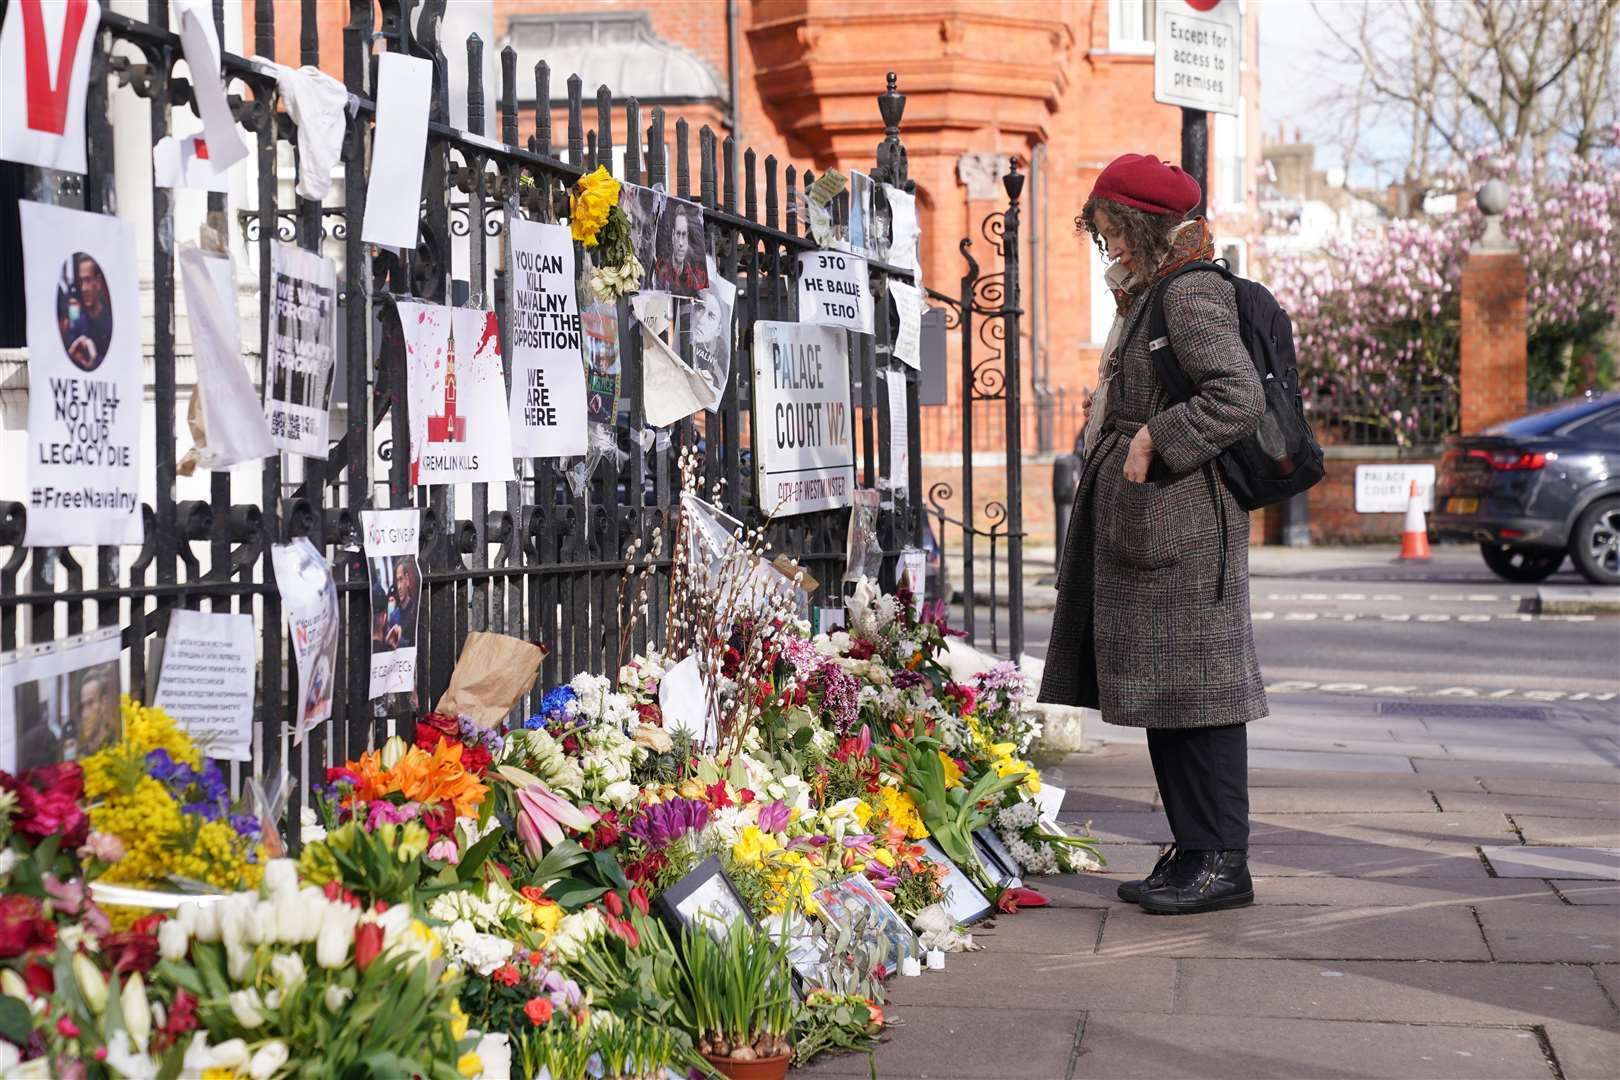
{"points": [[1196, 57], [1386, 489]]}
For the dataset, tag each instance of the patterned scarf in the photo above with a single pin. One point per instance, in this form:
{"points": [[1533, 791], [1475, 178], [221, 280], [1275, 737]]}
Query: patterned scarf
{"points": [[1191, 242]]}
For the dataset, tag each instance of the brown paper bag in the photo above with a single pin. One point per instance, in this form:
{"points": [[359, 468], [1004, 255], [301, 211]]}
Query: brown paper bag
{"points": [[493, 672]]}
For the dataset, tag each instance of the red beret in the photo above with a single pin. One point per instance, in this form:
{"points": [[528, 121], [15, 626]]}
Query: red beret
{"points": [[1147, 184]]}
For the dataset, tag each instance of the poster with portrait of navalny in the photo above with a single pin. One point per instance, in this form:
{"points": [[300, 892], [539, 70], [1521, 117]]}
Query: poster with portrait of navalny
{"points": [[391, 539], [84, 377], [303, 349]]}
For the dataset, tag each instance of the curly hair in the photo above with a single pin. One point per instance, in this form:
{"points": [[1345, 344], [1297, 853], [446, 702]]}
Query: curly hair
{"points": [[1147, 234]]}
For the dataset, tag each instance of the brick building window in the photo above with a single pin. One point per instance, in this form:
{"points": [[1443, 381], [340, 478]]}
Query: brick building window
{"points": [[1130, 25], [1102, 300], [1230, 179]]}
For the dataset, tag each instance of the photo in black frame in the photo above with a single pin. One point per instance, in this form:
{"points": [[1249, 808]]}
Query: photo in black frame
{"points": [[964, 901], [705, 897], [1003, 868]]}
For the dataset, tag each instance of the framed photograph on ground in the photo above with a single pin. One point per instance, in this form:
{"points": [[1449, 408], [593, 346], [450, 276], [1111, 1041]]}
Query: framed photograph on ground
{"points": [[705, 897], [997, 859], [841, 901], [964, 902]]}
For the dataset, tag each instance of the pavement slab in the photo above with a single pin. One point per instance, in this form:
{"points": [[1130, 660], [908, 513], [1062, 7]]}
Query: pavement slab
{"points": [[1582, 935], [1330, 761], [1467, 801], [1587, 891], [1400, 830], [1579, 831], [1109, 800], [1124, 1046], [1402, 991], [1554, 862], [1584, 1053], [1608, 791], [967, 1042], [1432, 859], [1343, 800], [1055, 931], [1061, 983], [1519, 766], [1609, 976], [1400, 892], [1378, 933]]}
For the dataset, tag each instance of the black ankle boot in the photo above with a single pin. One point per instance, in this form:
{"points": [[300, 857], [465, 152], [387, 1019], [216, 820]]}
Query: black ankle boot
{"points": [[1131, 891], [1202, 881]]}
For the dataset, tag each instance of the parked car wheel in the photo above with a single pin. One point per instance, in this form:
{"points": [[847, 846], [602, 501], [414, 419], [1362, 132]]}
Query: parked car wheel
{"points": [[1521, 564], [1595, 543]]}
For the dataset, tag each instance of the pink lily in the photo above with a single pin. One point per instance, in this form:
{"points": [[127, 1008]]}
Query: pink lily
{"points": [[543, 816]]}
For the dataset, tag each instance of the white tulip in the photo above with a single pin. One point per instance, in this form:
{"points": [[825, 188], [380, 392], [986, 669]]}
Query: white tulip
{"points": [[230, 1054], [336, 937], [392, 750], [288, 911], [336, 997], [186, 916], [281, 877], [312, 909], [395, 921], [238, 958], [172, 942], [206, 916], [271, 1057], [137, 1013], [261, 927], [248, 1008], [288, 969]]}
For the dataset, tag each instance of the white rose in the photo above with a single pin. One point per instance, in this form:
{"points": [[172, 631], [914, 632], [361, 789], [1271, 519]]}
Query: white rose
{"points": [[271, 1057], [248, 1008], [620, 793], [172, 940]]}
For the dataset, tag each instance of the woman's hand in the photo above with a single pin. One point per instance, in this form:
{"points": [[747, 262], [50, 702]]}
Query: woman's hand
{"points": [[1086, 396], [1139, 456]]}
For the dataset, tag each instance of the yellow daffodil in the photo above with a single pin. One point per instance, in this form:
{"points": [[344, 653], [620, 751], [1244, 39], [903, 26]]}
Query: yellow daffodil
{"points": [[470, 1064], [903, 812], [753, 845], [863, 814], [593, 198], [953, 774], [458, 1020]]}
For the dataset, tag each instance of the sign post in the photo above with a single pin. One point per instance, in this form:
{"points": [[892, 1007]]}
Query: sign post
{"points": [[1196, 65]]}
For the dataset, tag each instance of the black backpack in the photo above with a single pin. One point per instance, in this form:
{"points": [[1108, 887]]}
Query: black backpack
{"points": [[1282, 458]]}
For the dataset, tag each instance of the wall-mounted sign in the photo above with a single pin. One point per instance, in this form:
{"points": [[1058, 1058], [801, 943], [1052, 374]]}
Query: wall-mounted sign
{"points": [[804, 451]]}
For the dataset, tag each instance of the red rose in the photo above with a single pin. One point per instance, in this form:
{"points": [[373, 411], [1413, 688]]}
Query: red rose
{"points": [[368, 942], [506, 975], [48, 804], [433, 726], [538, 1010], [23, 926]]}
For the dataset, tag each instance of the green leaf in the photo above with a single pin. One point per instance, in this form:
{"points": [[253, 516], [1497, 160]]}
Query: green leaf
{"points": [[571, 893], [471, 862], [15, 1020]]}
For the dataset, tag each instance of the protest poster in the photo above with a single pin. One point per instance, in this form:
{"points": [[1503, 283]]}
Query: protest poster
{"points": [[394, 189], [666, 234], [391, 538], [84, 377], [309, 603], [601, 325], [183, 163], [908, 308], [200, 41], [899, 437], [45, 50], [804, 450], [453, 373], [547, 343], [59, 700], [710, 320], [834, 291], [904, 233], [234, 426], [303, 350], [207, 678]]}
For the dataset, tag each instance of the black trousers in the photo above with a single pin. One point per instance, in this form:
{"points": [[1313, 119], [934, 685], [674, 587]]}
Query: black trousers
{"points": [[1203, 776]]}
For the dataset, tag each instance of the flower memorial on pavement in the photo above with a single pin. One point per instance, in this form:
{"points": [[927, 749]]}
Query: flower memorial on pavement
{"points": [[474, 902]]}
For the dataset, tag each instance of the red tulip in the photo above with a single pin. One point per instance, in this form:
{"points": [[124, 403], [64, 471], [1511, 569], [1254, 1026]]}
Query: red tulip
{"points": [[368, 942]]}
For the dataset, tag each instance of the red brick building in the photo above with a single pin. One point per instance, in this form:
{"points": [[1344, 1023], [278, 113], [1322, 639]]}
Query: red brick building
{"points": [[1064, 85]]}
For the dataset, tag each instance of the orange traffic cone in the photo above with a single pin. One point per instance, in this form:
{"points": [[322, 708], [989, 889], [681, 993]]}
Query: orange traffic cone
{"points": [[1415, 535]]}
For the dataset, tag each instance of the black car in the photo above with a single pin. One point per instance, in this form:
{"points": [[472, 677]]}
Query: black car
{"points": [[1535, 489]]}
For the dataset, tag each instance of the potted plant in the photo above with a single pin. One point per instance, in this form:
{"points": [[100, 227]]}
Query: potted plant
{"points": [[738, 999]]}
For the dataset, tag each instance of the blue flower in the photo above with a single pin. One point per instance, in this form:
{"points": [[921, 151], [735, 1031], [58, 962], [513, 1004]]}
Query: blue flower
{"points": [[245, 825], [161, 765], [213, 782], [208, 811], [557, 700]]}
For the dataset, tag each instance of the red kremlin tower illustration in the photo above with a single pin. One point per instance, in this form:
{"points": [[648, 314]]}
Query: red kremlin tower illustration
{"points": [[448, 427]]}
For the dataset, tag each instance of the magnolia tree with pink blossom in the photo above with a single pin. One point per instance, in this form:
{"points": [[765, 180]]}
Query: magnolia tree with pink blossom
{"points": [[1376, 317]]}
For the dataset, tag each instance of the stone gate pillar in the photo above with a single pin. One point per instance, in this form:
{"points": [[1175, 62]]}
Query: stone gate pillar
{"points": [[1495, 329]]}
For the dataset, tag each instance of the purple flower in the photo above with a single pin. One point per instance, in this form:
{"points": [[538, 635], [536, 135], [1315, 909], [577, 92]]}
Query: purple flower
{"points": [[774, 817], [661, 824], [386, 813], [208, 811], [246, 825]]}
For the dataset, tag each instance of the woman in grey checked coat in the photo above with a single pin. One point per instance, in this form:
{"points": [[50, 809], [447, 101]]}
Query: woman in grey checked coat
{"points": [[1152, 624]]}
